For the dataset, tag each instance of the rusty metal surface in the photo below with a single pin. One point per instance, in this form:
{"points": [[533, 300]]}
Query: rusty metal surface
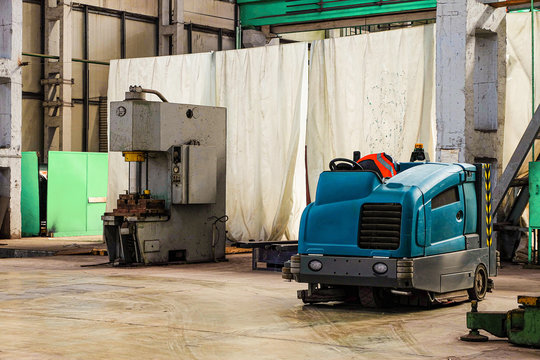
{"points": [[138, 205]]}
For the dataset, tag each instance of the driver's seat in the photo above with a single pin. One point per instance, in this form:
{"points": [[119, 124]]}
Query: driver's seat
{"points": [[380, 163]]}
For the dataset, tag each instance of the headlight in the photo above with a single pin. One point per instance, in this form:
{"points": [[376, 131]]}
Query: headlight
{"points": [[315, 265], [380, 268]]}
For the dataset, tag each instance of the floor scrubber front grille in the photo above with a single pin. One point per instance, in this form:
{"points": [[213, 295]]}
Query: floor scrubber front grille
{"points": [[380, 226]]}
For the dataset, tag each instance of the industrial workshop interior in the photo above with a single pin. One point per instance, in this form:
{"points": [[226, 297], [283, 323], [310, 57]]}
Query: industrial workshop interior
{"points": [[270, 179]]}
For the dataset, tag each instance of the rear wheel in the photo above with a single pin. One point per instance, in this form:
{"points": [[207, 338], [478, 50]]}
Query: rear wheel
{"points": [[480, 284], [375, 297], [366, 297]]}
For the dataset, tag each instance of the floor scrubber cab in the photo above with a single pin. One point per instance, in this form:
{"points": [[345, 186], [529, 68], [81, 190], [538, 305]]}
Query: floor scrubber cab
{"points": [[419, 236]]}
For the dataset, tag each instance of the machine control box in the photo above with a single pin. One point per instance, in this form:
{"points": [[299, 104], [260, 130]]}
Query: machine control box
{"points": [[194, 174]]}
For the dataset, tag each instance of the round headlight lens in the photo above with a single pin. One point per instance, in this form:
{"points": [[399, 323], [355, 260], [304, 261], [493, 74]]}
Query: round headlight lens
{"points": [[315, 265], [380, 268]]}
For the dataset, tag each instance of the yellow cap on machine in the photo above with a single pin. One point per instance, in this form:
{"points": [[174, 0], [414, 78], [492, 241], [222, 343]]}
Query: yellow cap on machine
{"points": [[418, 146], [133, 156]]}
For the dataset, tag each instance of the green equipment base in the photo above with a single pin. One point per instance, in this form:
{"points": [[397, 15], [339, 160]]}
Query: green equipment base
{"points": [[521, 326]]}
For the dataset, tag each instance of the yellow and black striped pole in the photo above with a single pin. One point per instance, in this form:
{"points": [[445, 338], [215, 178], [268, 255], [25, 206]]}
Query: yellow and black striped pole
{"points": [[487, 183]]}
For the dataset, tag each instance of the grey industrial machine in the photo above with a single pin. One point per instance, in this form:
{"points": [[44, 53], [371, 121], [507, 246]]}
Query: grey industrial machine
{"points": [[174, 209]]}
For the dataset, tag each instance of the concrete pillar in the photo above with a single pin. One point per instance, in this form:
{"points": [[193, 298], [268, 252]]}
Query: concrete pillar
{"points": [[171, 27], [10, 117], [58, 77], [471, 81]]}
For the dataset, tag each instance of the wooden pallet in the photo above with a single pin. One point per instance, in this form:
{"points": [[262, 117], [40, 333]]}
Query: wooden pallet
{"points": [[100, 252], [229, 250]]}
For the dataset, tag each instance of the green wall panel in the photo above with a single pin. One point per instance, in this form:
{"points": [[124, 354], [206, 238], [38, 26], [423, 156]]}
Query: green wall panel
{"points": [[534, 194], [272, 12], [73, 178], [29, 194]]}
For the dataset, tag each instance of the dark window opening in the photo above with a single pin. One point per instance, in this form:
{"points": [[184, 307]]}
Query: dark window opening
{"points": [[446, 197]]}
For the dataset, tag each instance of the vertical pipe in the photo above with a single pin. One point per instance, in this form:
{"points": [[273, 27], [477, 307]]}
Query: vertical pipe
{"points": [[42, 26], [532, 67], [147, 187], [220, 39], [530, 244], [532, 108], [123, 35], [138, 177], [156, 47], [190, 38], [85, 82], [237, 27]]}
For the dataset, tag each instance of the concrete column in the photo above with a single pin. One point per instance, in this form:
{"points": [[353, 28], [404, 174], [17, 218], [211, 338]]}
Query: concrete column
{"points": [[471, 80], [10, 117], [171, 27], [58, 77]]}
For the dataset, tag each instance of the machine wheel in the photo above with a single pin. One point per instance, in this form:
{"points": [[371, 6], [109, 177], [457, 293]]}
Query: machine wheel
{"points": [[366, 297], [383, 297], [480, 284]]}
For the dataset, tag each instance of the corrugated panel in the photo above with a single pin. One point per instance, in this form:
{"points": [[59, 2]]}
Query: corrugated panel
{"points": [[102, 115], [272, 12]]}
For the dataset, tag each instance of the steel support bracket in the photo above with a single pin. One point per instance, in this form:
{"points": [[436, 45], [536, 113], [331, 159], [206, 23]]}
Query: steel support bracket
{"points": [[57, 103], [57, 81]]}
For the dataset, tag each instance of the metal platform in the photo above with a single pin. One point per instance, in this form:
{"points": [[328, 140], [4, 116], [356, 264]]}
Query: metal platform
{"points": [[269, 255]]}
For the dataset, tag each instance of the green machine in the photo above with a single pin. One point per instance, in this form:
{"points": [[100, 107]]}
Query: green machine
{"points": [[521, 326], [534, 212]]}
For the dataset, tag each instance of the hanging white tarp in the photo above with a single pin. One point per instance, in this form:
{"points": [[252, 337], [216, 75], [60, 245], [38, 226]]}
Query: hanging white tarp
{"points": [[265, 92], [518, 108], [373, 93]]}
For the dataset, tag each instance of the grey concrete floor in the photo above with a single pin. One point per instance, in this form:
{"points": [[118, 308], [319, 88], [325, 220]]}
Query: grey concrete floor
{"points": [[52, 308]]}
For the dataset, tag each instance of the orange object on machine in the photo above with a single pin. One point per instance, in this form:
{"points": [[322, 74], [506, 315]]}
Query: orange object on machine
{"points": [[382, 163]]}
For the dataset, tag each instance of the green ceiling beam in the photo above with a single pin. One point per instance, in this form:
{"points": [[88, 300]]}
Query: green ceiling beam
{"points": [[273, 12]]}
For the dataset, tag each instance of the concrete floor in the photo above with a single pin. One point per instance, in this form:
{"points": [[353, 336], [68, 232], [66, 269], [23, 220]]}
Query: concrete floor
{"points": [[52, 308], [39, 246]]}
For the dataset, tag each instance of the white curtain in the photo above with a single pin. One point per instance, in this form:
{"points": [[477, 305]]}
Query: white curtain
{"points": [[518, 109], [188, 79], [265, 92], [373, 93]]}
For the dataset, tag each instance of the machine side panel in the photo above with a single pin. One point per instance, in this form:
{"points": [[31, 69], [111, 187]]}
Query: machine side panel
{"points": [[121, 125], [456, 281], [429, 271], [202, 175]]}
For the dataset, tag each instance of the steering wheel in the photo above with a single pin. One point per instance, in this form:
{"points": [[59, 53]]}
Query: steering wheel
{"points": [[344, 164]]}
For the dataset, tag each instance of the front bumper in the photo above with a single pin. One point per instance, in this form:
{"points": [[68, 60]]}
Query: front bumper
{"points": [[355, 271]]}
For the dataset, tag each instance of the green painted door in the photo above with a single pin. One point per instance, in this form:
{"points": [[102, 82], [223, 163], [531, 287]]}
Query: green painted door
{"points": [[76, 189], [96, 191], [29, 194], [534, 192]]}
